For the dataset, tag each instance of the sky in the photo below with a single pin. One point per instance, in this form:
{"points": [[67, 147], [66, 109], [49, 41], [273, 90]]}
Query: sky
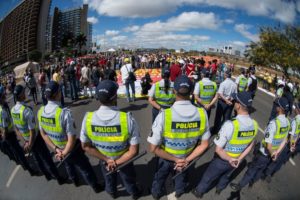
{"points": [[187, 24]]}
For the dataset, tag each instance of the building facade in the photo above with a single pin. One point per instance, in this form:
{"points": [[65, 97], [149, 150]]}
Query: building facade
{"points": [[73, 21], [24, 30]]}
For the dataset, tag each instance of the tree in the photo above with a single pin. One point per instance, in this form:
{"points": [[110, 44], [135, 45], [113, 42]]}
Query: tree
{"points": [[35, 55], [68, 40], [80, 41], [278, 46]]}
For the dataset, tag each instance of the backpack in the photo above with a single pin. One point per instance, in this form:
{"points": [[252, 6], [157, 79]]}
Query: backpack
{"points": [[253, 86]]}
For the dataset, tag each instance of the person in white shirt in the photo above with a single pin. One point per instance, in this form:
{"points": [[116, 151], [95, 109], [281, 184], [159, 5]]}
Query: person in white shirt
{"points": [[128, 80], [85, 80]]}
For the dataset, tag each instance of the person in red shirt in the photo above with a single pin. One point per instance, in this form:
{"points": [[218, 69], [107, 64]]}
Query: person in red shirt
{"points": [[175, 71], [214, 68], [190, 70]]}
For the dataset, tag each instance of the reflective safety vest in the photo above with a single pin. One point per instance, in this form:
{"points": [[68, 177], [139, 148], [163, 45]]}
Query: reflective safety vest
{"points": [[19, 122], [52, 127], [280, 135], [1, 122], [243, 82], [207, 92], [297, 130], [240, 139], [162, 98], [110, 139], [180, 138]]}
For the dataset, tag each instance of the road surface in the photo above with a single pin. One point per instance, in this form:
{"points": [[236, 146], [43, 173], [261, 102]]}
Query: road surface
{"points": [[16, 184]]}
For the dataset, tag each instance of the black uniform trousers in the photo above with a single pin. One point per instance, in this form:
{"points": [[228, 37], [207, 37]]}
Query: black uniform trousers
{"points": [[42, 157], [77, 160], [127, 175], [14, 148]]}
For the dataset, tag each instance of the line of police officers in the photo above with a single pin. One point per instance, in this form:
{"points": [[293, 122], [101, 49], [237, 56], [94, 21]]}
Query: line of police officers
{"points": [[180, 134]]}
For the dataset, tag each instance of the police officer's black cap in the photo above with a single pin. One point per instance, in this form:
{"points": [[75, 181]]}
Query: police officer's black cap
{"points": [[283, 103], [205, 72], [19, 89], [244, 98], [167, 72], [107, 90], [228, 72], [51, 89], [183, 85]]}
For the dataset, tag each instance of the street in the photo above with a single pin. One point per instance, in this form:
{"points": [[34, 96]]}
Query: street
{"points": [[17, 184]]}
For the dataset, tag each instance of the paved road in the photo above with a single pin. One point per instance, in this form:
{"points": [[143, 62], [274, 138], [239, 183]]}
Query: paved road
{"points": [[284, 185]]}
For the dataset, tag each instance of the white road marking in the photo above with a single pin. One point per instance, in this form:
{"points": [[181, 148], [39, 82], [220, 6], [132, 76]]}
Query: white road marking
{"points": [[261, 130], [292, 162], [171, 196], [12, 176]]}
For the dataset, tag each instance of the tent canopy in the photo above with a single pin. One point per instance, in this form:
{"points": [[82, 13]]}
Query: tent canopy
{"points": [[111, 50], [21, 69]]}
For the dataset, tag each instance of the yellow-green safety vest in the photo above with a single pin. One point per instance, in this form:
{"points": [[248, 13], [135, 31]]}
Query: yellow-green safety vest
{"points": [[162, 98], [112, 140], [243, 82], [280, 135], [19, 122], [207, 92], [297, 130], [240, 139], [52, 127], [180, 138]]}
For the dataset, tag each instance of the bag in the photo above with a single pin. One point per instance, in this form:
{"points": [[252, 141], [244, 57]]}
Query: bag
{"points": [[131, 76], [84, 81]]}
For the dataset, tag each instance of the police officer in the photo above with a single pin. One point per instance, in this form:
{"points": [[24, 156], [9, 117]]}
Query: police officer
{"points": [[225, 104], [11, 144], [161, 95], [295, 131], [5, 125], [242, 81], [113, 137], [233, 143], [205, 92], [179, 135], [292, 147], [24, 123], [252, 83], [57, 129], [270, 148]]}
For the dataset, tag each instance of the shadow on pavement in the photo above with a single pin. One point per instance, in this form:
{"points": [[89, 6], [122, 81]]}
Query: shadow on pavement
{"points": [[133, 107], [76, 104]]}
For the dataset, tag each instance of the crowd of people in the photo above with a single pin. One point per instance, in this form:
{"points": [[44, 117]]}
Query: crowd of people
{"points": [[182, 102]]}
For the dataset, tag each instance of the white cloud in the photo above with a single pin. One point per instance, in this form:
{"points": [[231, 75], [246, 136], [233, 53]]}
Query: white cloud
{"points": [[119, 38], [229, 21], [185, 21], [112, 32], [239, 43], [131, 28], [243, 29], [92, 20], [284, 11]]}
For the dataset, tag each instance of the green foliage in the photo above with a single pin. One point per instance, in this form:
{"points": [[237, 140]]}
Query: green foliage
{"points": [[68, 40], [80, 41], [35, 55], [278, 46]]}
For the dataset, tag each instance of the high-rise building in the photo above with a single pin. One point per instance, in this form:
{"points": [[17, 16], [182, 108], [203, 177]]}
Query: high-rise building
{"points": [[73, 21], [24, 30], [90, 36]]}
